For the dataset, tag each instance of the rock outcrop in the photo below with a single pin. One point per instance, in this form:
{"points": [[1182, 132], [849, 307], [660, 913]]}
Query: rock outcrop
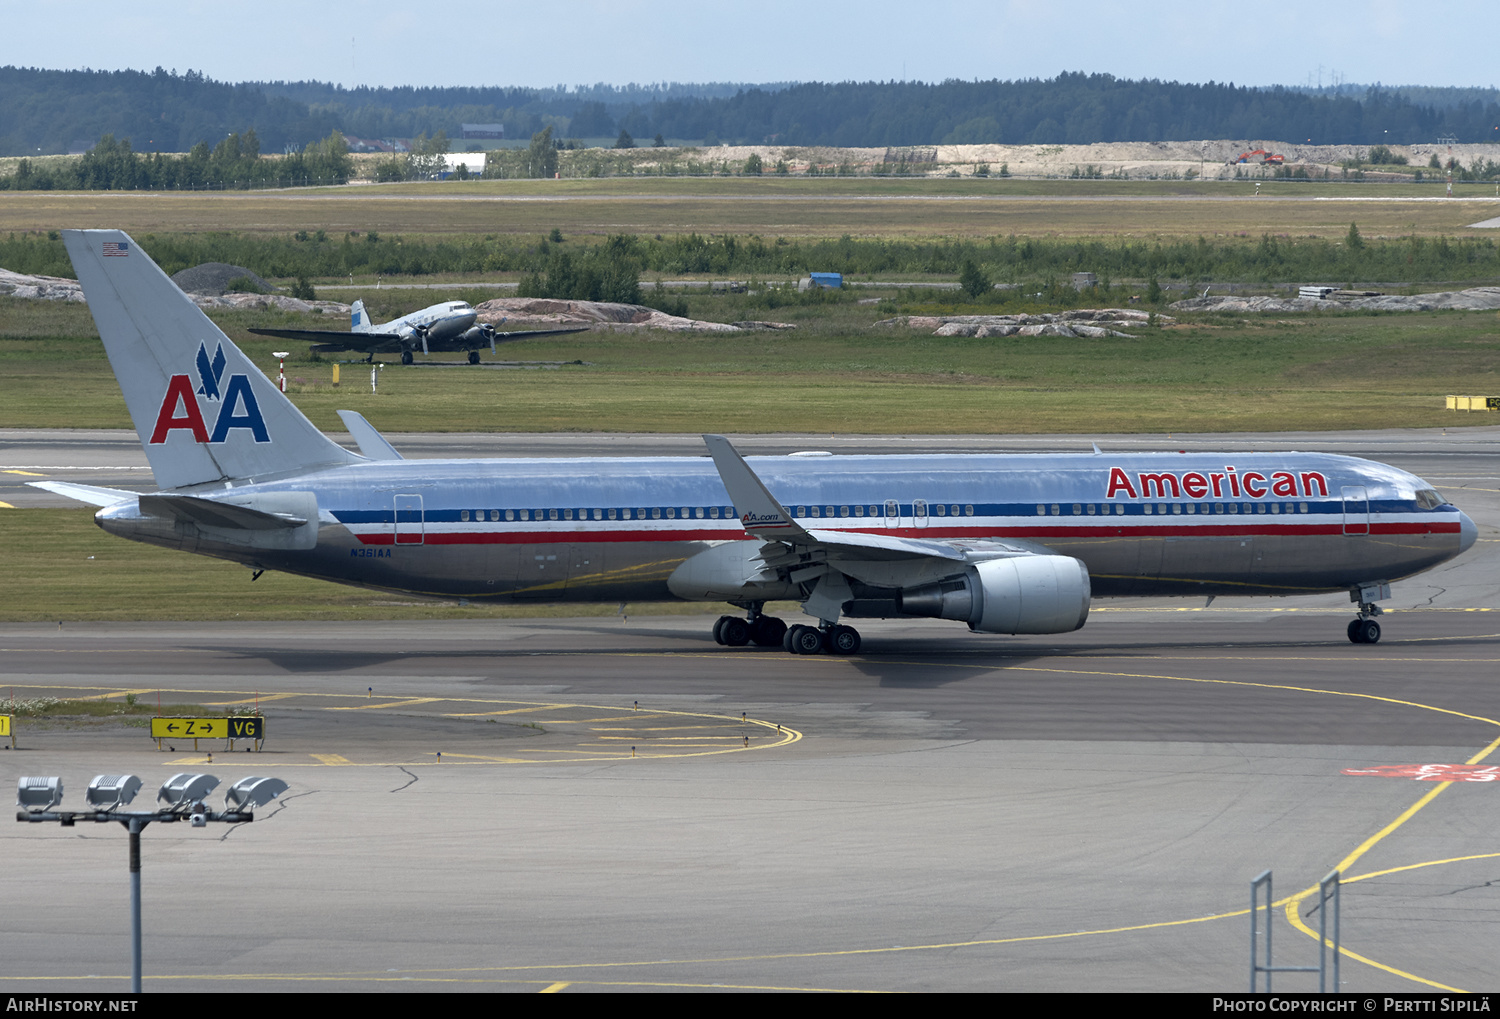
{"points": [[1082, 322], [1474, 299], [603, 315]]}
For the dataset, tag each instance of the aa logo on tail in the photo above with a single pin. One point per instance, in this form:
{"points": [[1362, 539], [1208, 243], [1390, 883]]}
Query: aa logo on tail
{"points": [[182, 408]]}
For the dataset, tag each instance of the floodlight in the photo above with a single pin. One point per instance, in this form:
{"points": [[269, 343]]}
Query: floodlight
{"points": [[253, 791], [106, 792], [184, 789], [38, 793]]}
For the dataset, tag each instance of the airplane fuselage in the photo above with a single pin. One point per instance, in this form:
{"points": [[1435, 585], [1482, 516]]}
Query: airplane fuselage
{"points": [[606, 529]]}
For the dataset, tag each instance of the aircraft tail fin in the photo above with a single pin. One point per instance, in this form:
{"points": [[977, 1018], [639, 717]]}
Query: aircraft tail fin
{"points": [[359, 319], [205, 413]]}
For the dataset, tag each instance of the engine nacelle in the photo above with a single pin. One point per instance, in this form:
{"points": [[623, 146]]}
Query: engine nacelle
{"points": [[731, 571], [1025, 594]]}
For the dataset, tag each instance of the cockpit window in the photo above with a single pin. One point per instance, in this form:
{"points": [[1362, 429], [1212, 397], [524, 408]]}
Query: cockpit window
{"points": [[1428, 499]]}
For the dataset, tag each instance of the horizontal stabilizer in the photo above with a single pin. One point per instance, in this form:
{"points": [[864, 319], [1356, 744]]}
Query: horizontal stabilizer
{"points": [[91, 494], [371, 443], [212, 513]]}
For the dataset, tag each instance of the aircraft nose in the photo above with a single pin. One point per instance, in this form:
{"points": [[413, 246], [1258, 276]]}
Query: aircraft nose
{"points": [[1467, 532]]}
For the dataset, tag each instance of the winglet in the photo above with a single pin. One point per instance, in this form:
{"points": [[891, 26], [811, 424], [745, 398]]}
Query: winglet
{"points": [[371, 443], [760, 513]]}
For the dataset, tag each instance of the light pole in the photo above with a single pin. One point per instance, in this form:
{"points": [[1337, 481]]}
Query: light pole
{"points": [[281, 356], [183, 794]]}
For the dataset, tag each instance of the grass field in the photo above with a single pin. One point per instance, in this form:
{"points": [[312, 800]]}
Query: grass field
{"points": [[839, 373], [792, 207]]}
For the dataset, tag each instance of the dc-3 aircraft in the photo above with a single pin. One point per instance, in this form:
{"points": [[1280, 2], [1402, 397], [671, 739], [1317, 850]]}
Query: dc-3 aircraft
{"points": [[1011, 544], [441, 327]]}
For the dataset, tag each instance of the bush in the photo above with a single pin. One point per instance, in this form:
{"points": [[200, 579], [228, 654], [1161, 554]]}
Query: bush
{"points": [[973, 281], [244, 285]]}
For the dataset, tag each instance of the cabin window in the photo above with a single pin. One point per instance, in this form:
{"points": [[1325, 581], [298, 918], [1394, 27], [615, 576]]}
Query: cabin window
{"points": [[1176, 509], [698, 513], [843, 511], [1077, 509], [611, 514], [1218, 507], [713, 512], [828, 511], [671, 512], [891, 509], [859, 511], [1041, 510], [1056, 509], [1302, 507], [655, 512], [1091, 509], [816, 511], [968, 511], [510, 514], [552, 515], [1145, 508], [463, 514], [940, 510]]}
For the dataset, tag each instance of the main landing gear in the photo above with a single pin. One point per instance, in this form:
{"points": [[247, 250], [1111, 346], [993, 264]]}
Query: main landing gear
{"points": [[473, 357], [406, 357], [768, 631], [836, 639], [765, 631]]}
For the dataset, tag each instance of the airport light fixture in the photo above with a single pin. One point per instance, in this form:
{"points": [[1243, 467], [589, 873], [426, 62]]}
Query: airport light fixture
{"points": [[184, 795]]}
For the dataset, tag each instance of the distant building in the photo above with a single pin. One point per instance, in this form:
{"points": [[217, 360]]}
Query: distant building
{"points": [[483, 131]]}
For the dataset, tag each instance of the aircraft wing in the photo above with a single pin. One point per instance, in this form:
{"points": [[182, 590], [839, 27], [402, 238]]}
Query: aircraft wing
{"points": [[339, 339], [830, 558]]}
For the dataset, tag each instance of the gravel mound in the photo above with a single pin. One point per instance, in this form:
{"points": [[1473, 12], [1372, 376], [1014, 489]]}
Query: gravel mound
{"points": [[212, 278]]}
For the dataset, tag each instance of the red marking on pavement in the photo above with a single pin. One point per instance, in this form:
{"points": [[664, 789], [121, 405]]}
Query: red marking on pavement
{"points": [[1432, 772]]}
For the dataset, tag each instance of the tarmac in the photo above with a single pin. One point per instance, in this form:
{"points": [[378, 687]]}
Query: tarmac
{"points": [[620, 804]]}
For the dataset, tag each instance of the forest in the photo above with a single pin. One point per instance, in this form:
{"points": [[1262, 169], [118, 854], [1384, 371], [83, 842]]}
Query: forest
{"points": [[47, 111]]}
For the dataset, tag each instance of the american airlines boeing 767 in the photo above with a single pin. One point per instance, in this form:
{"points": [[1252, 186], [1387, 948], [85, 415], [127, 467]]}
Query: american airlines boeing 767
{"points": [[1009, 544]]}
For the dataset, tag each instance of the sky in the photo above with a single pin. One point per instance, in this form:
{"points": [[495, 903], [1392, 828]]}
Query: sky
{"points": [[572, 42]]}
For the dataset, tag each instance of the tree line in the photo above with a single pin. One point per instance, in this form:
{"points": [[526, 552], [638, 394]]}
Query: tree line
{"points": [[45, 111], [234, 163], [555, 266]]}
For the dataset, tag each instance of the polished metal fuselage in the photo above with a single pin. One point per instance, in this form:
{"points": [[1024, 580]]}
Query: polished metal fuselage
{"points": [[614, 529]]}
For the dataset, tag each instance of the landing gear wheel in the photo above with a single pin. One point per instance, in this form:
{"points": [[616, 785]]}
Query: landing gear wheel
{"points": [[473, 357], [734, 632], [719, 628], [803, 640], [842, 640], [406, 357], [768, 631], [1364, 631]]}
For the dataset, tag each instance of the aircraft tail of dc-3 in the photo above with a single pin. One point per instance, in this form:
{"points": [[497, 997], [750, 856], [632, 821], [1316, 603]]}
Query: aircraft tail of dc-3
{"points": [[1014, 544]]}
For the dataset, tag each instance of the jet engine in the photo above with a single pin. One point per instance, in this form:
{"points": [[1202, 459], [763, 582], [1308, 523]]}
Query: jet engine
{"points": [[1025, 594]]}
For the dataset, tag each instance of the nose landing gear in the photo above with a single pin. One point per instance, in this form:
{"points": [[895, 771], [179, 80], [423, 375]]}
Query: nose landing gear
{"points": [[1365, 630]]}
